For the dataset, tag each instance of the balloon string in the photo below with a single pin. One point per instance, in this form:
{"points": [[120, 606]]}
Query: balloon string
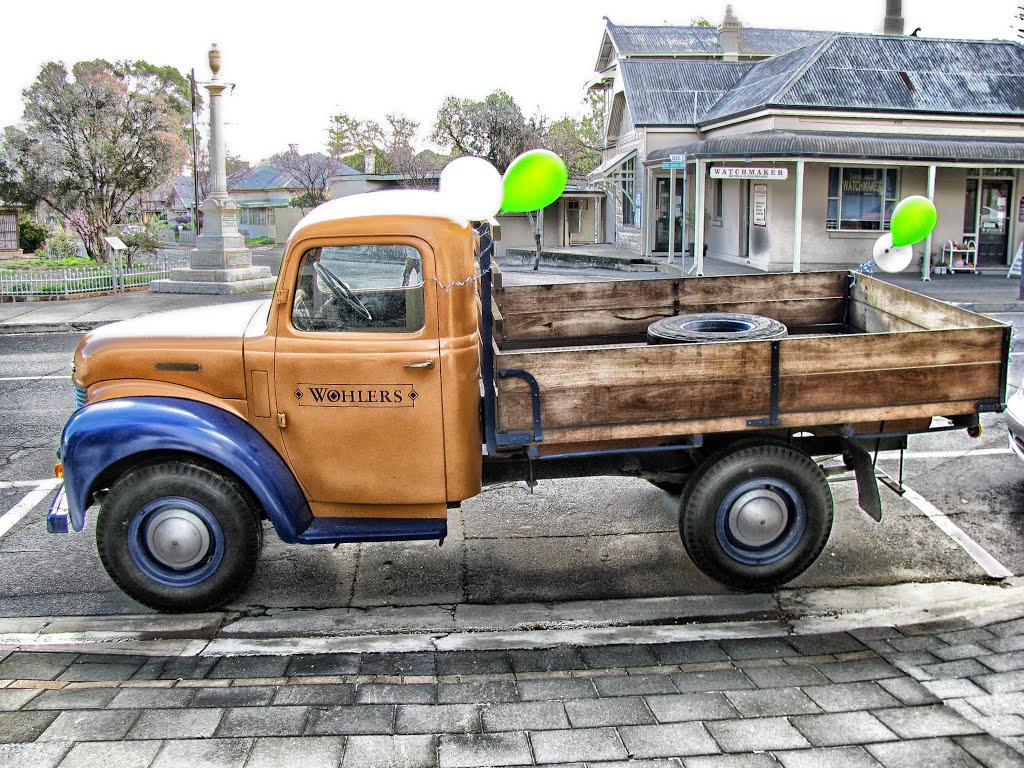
{"points": [[459, 283]]}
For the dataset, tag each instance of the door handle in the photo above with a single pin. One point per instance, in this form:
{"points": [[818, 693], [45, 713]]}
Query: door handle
{"points": [[424, 364]]}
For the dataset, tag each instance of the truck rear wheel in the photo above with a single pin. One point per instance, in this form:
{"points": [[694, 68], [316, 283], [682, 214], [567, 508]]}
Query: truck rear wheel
{"points": [[757, 516], [178, 536]]}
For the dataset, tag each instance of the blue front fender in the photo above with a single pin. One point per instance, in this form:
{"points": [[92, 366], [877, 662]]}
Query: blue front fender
{"points": [[105, 433]]}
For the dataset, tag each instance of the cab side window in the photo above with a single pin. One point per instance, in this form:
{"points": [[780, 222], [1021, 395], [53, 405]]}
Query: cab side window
{"points": [[365, 288]]}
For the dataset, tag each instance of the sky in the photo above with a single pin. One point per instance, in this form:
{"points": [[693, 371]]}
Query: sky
{"points": [[295, 64]]}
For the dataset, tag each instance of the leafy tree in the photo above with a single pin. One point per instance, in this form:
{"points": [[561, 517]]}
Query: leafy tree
{"points": [[578, 140], [343, 136], [494, 129], [31, 234], [700, 21], [307, 200], [139, 242], [392, 144], [311, 171], [93, 139]]}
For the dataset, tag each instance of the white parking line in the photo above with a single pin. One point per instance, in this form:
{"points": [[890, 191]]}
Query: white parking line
{"points": [[992, 567], [894, 456], [27, 504], [31, 378], [28, 483]]}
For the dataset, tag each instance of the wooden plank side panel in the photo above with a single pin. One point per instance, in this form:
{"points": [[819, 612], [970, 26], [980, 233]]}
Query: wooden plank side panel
{"points": [[617, 294], [551, 323], [865, 352], [913, 307], [871, 320], [637, 366], [635, 404], [569, 438], [897, 386]]}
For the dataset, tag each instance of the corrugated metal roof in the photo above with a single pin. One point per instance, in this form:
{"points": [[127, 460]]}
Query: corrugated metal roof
{"points": [[754, 40], [647, 41], [680, 41], [767, 144], [882, 73], [262, 177], [185, 190], [764, 81], [676, 91]]}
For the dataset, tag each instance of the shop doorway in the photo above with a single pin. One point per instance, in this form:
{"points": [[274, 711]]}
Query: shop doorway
{"points": [[987, 218], [661, 194]]}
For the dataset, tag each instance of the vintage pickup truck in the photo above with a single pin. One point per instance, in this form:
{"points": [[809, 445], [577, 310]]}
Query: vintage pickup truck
{"points": [[391, 375]]}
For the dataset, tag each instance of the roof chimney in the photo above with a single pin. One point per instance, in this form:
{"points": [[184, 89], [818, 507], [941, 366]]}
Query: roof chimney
{"points": [[729, 36], [893, 17], [369, 161]]}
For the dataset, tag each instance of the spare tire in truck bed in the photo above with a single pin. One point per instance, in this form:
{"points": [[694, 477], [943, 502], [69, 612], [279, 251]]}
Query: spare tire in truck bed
{"points": [[714, 326]]}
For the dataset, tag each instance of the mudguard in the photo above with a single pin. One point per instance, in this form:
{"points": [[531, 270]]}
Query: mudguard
{"points": [[100, 435]]}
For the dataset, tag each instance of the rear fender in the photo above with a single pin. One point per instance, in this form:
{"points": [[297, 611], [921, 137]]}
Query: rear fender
{"points": [[110, 432]]}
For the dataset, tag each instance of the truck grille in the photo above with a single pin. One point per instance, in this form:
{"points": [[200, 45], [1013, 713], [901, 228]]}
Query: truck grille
{"points": [[81, 393]]}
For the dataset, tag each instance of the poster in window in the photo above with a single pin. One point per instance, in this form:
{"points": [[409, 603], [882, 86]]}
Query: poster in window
{"points": [[760, 214], [637, 207]]}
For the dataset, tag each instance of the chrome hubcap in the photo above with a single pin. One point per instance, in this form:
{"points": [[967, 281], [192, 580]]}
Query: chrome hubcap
{"points": [[177, 538], [758, 517]]}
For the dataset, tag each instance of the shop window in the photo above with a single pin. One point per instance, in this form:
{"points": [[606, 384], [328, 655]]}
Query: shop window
{"points": [[627, 181], [716, 190], [861, 198]]}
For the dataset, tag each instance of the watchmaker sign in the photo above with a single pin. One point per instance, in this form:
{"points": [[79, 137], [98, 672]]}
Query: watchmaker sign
{"points": [[746, 172]]}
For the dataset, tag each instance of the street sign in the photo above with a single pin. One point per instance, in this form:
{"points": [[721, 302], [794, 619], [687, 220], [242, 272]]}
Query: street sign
{"points": [[746, 172], [669, 166]]}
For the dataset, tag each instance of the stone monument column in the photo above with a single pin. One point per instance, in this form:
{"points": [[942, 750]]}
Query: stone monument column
{"points": [[220, 263]]}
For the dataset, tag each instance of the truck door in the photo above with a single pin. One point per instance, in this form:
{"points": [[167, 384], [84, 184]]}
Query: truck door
{"points": [[358, 373]]}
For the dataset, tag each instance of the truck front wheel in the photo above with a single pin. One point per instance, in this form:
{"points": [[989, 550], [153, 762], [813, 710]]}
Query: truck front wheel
{"points": [[178, 536], [756, 517]]}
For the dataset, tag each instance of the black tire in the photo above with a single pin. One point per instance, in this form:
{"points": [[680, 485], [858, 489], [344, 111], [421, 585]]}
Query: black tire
{"points": [[178, 537], [757, 516], [714, 326]]}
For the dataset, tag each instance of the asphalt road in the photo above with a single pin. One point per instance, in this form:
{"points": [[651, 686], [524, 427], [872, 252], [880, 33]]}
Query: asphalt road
{"points": [[568, 540]]}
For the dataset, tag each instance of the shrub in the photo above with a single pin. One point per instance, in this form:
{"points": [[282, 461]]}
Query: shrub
{"points": [[143, 241], [31, 234], [61, 245], [262, 241]]}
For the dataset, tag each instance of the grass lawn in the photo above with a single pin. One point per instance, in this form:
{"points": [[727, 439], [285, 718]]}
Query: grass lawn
{"points": [[32, 262]]}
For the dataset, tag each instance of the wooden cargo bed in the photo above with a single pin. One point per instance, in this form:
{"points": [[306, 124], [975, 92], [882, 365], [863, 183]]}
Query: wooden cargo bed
{"points": [[859, 352]]}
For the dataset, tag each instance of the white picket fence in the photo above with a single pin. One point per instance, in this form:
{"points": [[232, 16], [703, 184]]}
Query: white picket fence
{"points": [[72, 281]]}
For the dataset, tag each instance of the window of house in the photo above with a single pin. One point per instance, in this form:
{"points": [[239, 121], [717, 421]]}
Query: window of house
{"points": [[627, 180], [257, 217], [861, 198], [367, 288], [716, 193]]}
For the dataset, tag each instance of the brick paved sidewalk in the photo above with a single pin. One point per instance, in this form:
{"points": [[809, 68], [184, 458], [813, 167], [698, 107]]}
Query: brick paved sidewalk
{"points": [[864, 698]]}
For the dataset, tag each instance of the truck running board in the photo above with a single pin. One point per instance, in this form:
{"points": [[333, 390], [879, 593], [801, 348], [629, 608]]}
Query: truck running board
{"points": [[340, 530]]}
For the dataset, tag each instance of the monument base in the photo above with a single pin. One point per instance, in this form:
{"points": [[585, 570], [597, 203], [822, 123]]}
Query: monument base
{"points": [[216, 282]]}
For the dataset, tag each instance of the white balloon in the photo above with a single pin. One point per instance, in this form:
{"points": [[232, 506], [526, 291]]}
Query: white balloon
{"points": [[473, 187], [889, 257]]}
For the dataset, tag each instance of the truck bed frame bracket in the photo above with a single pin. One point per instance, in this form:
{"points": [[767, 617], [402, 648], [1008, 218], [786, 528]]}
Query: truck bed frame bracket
{"points": [[510, 439], [773, 413]]}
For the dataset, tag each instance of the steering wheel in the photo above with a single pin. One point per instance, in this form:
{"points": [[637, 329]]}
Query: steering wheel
{"points": [[341, 290]]}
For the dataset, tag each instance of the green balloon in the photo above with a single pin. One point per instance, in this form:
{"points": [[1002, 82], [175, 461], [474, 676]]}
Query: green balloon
{"points": [[534, 180], [912, 221]]}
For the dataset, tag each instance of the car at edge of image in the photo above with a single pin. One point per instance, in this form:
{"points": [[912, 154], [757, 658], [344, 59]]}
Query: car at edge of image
{"points": [[1015, 422]]}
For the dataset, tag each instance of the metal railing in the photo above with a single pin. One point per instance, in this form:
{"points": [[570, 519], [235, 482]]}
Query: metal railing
{"points": [[72, 281]]}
